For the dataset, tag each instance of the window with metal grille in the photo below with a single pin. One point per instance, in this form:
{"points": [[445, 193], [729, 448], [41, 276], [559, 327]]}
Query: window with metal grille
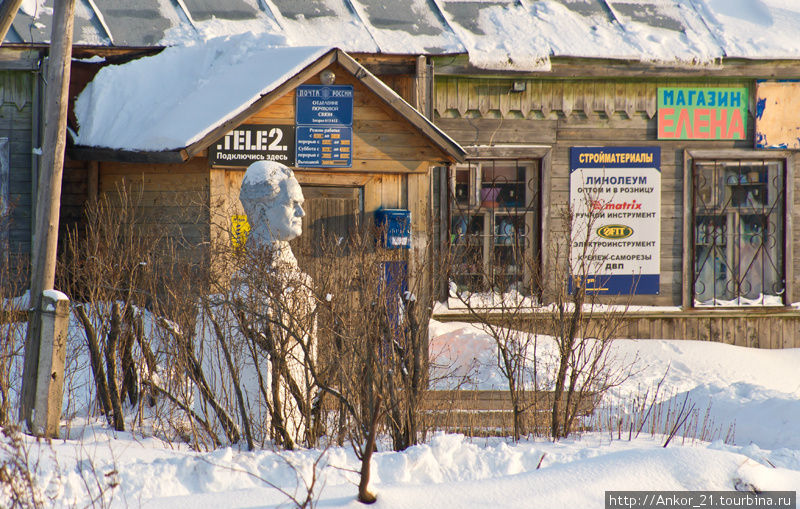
{"points": [[494, 224], [739, 219]]}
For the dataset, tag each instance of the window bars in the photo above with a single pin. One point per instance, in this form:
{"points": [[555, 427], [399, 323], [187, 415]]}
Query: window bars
{"points": [[739, 230]]}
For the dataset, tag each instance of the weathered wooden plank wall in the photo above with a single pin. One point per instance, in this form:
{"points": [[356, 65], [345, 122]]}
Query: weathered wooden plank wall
{"points": [[751, 328], [173, 197], [606, 112], [16, 124], [74, 195]]}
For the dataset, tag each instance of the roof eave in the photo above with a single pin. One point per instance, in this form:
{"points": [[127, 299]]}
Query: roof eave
{"points": [[84, 153]]}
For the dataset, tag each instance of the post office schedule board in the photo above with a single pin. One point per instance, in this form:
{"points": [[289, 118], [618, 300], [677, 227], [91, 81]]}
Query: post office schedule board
{"points": [[324, 146], [324, 120]]}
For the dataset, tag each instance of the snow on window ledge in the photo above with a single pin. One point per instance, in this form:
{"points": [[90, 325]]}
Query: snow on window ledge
{"points": [[760, 301]]}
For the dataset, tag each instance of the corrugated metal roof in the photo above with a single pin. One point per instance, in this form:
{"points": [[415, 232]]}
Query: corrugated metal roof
{"points": [[654, 14], [139, 23], [35, 27], [518, 34], [304, 9], [202, 10], [330, 22], [467, 13], [595, 9], [415, 25]]}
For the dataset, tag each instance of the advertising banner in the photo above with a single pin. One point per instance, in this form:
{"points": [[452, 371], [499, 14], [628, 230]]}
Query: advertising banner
{"points": [[702, 113], [615, 193], [249, 143]]}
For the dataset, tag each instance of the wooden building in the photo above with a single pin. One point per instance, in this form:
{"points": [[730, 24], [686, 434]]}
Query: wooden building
{"points": [[725, 209], [527, 88], [381, 157]]}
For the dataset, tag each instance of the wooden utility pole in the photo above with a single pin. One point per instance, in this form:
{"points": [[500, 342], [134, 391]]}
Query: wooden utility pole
{"points": [[40, 399], [8, 10]]}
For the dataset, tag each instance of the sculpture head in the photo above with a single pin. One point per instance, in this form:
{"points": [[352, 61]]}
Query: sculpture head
{"points": [[273, 201]]}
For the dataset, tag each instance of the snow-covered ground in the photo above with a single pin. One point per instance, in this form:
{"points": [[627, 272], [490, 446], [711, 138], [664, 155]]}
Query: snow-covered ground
{"points": [[754, 392]]}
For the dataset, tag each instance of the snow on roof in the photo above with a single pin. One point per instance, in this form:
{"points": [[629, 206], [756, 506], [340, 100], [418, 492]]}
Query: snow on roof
{"points": [[497, 34], [171, 100], [412, 26], [306, 22], [755, 28]]}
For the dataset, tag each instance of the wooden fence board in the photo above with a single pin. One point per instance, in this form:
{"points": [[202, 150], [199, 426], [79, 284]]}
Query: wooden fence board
{"points": [[729, 330], [752, 334], [480, 413], [740, 331]]}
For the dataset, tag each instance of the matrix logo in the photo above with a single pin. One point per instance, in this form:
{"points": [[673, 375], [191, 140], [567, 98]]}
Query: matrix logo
{"points": [[615, 231]]}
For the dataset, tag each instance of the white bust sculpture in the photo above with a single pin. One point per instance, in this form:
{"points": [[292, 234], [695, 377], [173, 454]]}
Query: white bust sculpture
{"points": [[273, 202]]}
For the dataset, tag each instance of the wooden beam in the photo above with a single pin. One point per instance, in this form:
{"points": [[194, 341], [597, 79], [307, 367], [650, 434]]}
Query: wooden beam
{"points": [[386, 65], [591, 68], [545, 202], [81, 153], [506, 151], [687, 281], [22, 64], [8, 11], [788, 255]]}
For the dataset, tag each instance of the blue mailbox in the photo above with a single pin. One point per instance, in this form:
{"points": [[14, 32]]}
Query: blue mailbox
{"points": [[395, 226]]}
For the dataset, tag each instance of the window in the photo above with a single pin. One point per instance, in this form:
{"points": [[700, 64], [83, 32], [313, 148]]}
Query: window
{"points": [[739, 232], [493, 225]]}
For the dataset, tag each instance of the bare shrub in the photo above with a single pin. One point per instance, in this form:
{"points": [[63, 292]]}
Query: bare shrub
{"points": [[372, 315], [553, 337], [104, 270], [582, 326], [17, 475], [664, 415], [131, 280], [13, 322], [240, 346], [13, 319]]}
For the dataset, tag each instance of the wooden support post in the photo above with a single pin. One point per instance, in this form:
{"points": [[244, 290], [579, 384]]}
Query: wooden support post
{"points": [[48, 202], [46, 414], [423, 87]]}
